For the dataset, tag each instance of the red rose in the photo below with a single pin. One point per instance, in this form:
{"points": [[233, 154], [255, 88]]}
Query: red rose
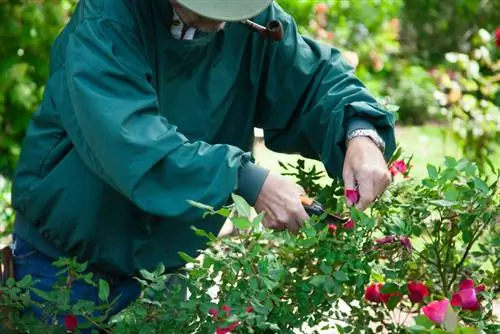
{"points": [[497, 37], [70, 322], [417, 291], [332, 228], [227, 309], [350, 224], [372, 292], [398, 166], [249, 309], [352, 195]]}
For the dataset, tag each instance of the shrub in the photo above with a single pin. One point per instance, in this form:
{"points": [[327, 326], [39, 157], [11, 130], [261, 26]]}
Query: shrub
{"points": [[420, 245]]}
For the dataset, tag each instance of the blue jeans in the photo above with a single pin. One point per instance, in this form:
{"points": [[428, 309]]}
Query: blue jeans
{"points": [[29, 261]]}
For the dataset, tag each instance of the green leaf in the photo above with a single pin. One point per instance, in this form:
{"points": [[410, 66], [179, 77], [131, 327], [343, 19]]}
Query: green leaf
{"points": [[451, 194], [450, 320], [429, 183], [186, 257], [417, 329], [200, 205], [432, 171], [241, 223], [258, 219], [317, 280], [450, 162], [340, 276], [242, 207], [146, 274], [254, 283], [103, 290], [389, 288], [468, 330], [481, 185], [423, 321], [259, 308], [467, 235], [442, 203], [393, 302], [325, 268], [329, 285]]}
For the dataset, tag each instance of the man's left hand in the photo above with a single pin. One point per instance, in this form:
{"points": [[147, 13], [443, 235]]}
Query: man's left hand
{"points": [[366, 170]]}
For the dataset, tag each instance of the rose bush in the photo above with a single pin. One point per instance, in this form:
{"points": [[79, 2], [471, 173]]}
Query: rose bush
{"points": [[419, 261]]}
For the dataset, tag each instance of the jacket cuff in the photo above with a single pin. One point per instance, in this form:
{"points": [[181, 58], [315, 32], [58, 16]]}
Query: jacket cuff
{"points": [[357, 124], [250, 181]]}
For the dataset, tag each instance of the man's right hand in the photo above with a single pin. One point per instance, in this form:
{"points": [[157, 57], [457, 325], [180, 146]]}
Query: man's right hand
{"points": [[280, 199]]}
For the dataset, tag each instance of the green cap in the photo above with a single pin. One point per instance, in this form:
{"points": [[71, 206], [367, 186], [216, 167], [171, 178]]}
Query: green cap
{"points": [[226, 10]]}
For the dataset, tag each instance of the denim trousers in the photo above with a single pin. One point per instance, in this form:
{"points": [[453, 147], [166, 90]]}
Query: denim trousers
{"points": [[29, 261]]}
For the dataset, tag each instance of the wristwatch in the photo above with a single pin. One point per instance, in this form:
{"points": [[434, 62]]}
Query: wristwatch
{"points": [[372, 134]]}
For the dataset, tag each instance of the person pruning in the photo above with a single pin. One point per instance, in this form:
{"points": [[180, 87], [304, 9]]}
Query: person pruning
{"points": [[151, 103]]}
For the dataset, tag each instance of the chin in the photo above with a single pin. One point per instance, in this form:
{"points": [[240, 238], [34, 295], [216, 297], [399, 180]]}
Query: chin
{"points": [[211, 27]]}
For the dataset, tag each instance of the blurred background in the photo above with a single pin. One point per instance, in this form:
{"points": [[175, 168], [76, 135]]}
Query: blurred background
{"points": [[436, 59]]}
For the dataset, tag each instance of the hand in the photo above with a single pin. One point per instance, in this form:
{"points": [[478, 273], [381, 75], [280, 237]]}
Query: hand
{"points": [[366, 170], [280, 199]]}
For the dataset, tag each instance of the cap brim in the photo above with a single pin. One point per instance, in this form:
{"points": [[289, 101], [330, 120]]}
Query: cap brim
{"points": [[226, 10]]}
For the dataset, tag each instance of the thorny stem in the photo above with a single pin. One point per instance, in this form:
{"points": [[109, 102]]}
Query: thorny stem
{"points": [[476, 236], [438, 259]]}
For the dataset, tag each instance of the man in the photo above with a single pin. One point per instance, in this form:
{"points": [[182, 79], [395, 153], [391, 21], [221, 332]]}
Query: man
{"points": [[151, 103]]}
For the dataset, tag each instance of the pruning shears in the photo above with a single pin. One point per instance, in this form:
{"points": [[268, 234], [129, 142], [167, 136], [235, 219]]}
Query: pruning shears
{"points": [[315, 208]]}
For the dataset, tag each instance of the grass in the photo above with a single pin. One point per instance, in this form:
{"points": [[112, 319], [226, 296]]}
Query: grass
{"points": [[427, 144]]}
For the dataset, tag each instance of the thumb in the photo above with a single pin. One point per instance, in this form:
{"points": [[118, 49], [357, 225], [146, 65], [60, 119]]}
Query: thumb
{"points": [[350, 192]]}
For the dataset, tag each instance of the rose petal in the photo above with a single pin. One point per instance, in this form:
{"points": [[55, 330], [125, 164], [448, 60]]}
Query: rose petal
{"points": [[436, 311], [70, 322], [352, 195], [466, 284], [407, 243], [480, 288], [468, 299], [455, 300], [386, 240], [417, 291], [349, 225], [372, 292], [332, 228]]}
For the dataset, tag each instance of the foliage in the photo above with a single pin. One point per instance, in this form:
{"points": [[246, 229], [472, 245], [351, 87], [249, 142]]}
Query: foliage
{"points": [[470, 97], [6, 211], [431, 29], [429, 235], [27, 31]]}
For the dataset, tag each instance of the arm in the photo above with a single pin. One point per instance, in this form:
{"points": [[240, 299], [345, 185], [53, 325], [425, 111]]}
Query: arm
{"points": [[116, 128], [312, 100]]}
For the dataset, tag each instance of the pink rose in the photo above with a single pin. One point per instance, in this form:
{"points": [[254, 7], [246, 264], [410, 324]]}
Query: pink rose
{"points": [[436, 311]]}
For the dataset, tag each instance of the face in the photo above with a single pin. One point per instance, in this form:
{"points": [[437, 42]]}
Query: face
{"points": [[196, 21]]}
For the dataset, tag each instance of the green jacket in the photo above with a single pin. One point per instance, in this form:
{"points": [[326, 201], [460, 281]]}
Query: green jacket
{"points": [[134, 123]]}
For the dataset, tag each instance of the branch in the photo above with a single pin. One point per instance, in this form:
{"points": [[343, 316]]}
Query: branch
{"points": [[476, 236]]}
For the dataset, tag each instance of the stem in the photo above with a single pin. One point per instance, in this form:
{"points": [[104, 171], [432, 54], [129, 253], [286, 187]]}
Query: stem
{"points": [[439, 266], [476, 236]]}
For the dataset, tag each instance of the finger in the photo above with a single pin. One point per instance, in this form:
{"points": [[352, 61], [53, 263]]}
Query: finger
{"points": [[301, 217], [349, 183], [383, 182], [366, 193]]}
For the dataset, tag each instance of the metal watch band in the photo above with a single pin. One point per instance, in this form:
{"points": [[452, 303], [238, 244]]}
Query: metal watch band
{"points": [[372, 134]]}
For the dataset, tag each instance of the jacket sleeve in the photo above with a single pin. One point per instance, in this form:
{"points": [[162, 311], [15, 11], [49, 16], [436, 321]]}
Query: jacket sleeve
{"points": [[115, 126], [311, 99]]}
